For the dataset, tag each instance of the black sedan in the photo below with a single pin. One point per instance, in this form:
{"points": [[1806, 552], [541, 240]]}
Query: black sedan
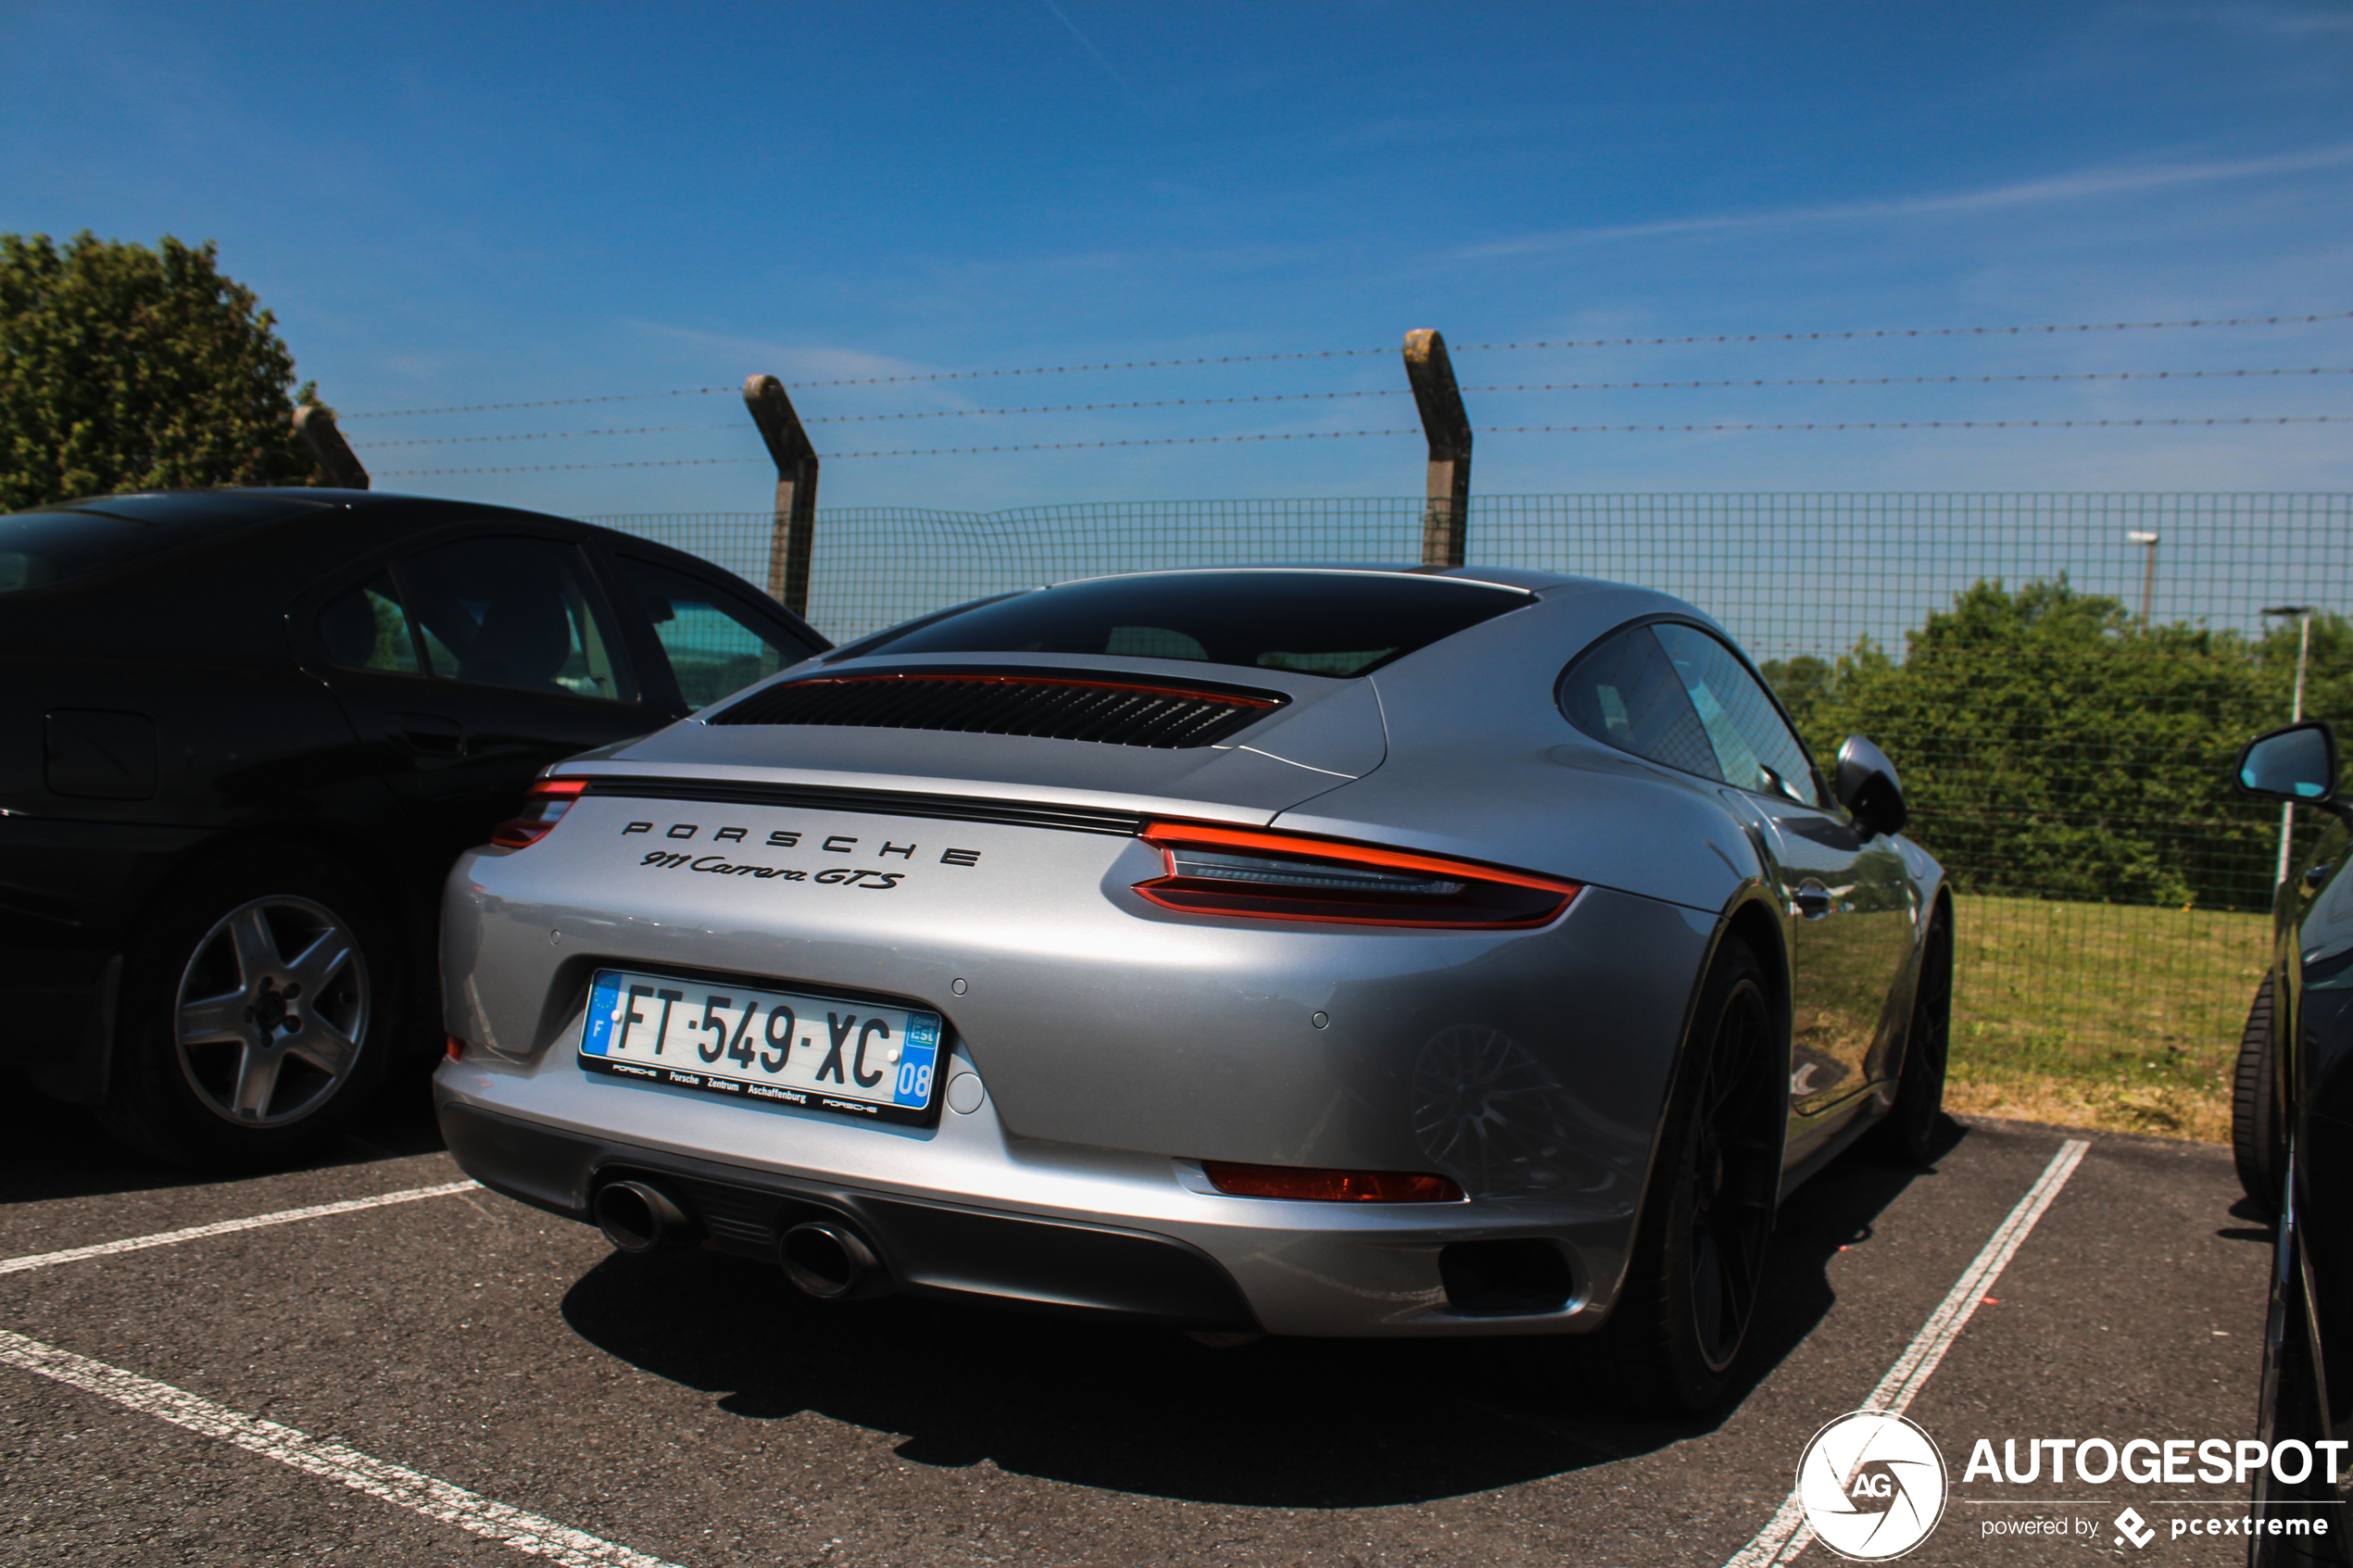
{"points": [[2293, 1133], [243, 736]]}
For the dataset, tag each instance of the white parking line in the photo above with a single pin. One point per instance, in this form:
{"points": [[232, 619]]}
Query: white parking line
{"points": [[226, 1227], [1789, 1533], [331, 1461]]}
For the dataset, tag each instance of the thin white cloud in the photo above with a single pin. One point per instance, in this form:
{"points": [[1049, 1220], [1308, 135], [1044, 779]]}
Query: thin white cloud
{"points": [[2080, 185]]}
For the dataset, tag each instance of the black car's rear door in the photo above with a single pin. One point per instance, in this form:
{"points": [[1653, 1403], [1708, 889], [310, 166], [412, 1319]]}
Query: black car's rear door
{"points": [[469, 663]]}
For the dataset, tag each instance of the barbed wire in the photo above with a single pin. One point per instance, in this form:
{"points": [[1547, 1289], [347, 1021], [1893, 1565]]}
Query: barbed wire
{"points": [[1484, 430], [554, 434], [1360, 353], [1400, 391]]}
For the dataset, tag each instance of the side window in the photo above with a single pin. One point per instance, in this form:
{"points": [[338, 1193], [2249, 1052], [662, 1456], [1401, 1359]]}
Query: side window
{"points": [[1625, 693], [715, 644], [1753, 747], [510, 612], [367, 629]]}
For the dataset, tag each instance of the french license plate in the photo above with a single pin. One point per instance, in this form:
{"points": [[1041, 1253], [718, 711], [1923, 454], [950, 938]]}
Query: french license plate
{"points": [[782, 1046]]}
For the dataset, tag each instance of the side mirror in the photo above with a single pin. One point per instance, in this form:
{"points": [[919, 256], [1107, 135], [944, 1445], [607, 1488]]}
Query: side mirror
{"points": [[1867, 786], [2297, 764]]}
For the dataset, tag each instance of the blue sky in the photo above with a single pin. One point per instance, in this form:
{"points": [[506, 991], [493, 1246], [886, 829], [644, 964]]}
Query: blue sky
{"points": [[450, 205]]}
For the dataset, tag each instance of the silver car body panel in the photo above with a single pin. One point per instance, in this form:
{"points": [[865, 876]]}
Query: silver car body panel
{"points": [[1121, 1042]]}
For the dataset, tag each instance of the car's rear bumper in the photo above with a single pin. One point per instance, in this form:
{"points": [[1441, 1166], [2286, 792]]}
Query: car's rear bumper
{"points": [[1016, 1223], [928, 1247]]}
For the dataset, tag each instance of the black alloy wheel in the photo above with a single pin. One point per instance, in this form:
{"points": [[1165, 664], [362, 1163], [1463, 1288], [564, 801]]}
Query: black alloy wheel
{"points": [[1697, 1271], [255, 1013], [1906, 1134]]}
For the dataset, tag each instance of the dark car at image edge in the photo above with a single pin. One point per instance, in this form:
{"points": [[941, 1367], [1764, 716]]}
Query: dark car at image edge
{"points": [[243, 736]]}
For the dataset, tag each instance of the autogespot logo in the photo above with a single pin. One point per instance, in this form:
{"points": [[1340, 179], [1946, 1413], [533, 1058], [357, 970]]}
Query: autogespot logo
{"points": [[1872, 1485]]}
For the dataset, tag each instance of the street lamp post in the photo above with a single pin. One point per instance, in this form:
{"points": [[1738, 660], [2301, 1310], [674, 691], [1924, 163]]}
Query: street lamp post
{"points": [[2296, 713], [2148, 570]]}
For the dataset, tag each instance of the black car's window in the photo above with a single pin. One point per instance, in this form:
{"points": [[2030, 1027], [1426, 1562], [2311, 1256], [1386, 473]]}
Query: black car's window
{"points": [[1753, 746], [1335, 623], [367, 629], [510, 612], [715, 643], [1624, 692]]}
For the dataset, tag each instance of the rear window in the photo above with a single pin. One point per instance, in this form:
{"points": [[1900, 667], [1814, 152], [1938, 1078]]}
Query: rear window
{"points": [[41, 547], [1333, 624]]}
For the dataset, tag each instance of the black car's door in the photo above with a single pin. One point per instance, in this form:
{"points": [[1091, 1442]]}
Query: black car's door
{"points": [[467, 665]]}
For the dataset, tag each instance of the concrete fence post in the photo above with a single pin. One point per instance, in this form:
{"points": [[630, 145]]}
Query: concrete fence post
{"points": [[795, 459], [337, 464], [1445, 424]]}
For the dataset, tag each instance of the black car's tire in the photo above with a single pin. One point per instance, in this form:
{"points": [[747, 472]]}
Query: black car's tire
{"points": [[1697, 1268], [1906, 1134], [258, 1005], [2258, 1144]]}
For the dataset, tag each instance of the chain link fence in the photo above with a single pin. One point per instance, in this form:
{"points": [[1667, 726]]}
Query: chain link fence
{"points": [[2062, 680]]}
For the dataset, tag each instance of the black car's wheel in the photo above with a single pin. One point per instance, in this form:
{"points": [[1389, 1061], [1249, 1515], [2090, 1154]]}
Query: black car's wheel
{"points": [[255, 1013], [2258, 1144], [1906, 1134], [1698, 1263]]}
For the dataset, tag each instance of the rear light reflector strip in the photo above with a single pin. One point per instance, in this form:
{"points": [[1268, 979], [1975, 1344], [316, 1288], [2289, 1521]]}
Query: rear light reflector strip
{"points": [[1330, 1187]]}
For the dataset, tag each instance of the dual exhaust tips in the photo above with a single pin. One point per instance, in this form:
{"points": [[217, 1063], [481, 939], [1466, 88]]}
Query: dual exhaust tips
{"points": [[824, 1258]]}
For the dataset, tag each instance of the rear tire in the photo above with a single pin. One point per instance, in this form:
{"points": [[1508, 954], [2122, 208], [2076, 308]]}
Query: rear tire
{"points": [[1906, 1134], [2258, 1144], [258, 1005], [1698, 1272]]}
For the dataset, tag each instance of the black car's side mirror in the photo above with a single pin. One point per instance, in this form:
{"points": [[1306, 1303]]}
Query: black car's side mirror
{"points": [[1867, 786], [2297, 764]]}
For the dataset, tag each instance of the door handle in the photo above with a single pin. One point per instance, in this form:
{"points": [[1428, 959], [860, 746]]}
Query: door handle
{"points": [[430, 735], [1811, 900]]}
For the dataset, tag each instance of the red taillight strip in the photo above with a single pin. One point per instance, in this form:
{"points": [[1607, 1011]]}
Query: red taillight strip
{"points": [[1161, 836], [1232, 699], [558, 787]]}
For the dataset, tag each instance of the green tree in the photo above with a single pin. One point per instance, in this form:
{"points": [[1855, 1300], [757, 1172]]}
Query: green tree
{"points": [[2052, 749], [128, 368]]}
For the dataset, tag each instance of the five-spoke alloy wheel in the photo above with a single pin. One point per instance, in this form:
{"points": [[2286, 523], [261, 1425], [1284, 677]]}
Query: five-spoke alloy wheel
{"points": [[254, 1012]]}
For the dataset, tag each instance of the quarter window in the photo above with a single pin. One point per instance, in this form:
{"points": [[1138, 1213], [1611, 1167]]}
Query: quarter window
{"points": [[1625, 693], [367, 629]]}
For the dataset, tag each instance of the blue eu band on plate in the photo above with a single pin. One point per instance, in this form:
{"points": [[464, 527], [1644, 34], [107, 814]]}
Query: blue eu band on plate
{"points": [[820, 1052]]}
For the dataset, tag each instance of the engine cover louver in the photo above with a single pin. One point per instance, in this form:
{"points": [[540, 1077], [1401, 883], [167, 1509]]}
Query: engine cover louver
{"points": [[1041, 703]]}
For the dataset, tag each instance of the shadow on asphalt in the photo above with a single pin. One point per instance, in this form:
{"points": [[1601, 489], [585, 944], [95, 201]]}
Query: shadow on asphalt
{"points": [[1283, 1422], [54, 1150]]}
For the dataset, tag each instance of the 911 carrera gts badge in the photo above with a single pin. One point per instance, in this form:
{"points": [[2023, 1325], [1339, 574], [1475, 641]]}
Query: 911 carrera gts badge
{"points": [[719, 865]]}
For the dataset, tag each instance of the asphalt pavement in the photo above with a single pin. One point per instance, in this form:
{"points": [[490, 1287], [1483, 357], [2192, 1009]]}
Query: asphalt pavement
{"points": [[456, 1378]]}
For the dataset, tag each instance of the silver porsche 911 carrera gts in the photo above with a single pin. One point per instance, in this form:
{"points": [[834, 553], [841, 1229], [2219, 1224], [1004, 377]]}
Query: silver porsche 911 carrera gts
{"points": [[1283, 950]]}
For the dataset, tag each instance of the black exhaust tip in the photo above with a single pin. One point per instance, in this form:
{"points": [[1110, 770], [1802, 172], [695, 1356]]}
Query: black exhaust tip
{"points": [[831, 1261], [638, 1218]]}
